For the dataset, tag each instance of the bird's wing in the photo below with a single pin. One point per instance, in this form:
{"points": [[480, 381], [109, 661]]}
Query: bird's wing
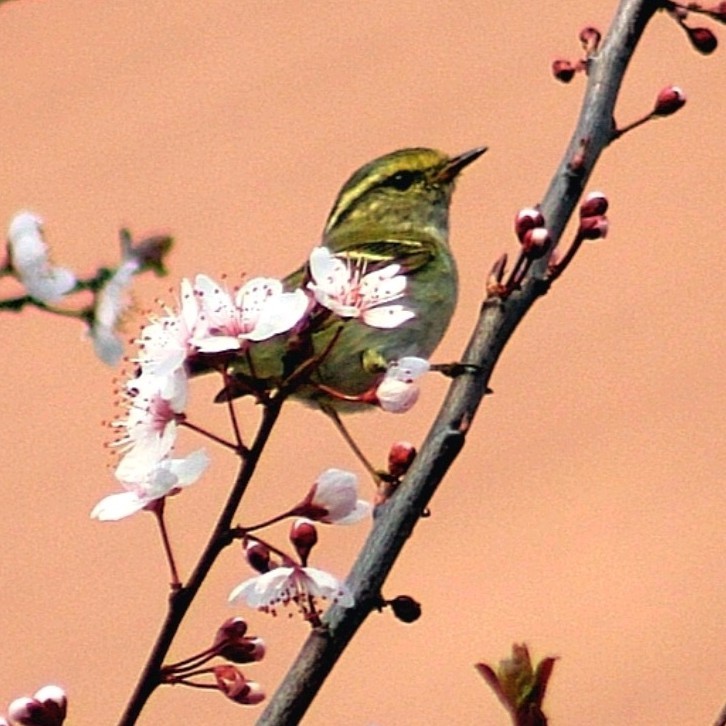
{"points": [[411, 255]]}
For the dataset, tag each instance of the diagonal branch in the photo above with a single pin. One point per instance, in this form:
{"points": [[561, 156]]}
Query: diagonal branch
{"points": [[498, 319]]}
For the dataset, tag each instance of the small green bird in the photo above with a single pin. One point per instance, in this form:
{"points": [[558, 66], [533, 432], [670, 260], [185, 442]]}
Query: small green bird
{"points": [[393, 210]]}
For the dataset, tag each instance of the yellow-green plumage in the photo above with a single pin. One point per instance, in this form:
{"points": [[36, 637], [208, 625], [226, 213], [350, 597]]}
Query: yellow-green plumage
{"points": [[394, 209]]}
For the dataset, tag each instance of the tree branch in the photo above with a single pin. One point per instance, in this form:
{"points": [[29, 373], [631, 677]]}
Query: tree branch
{"points": [[498, 319]]}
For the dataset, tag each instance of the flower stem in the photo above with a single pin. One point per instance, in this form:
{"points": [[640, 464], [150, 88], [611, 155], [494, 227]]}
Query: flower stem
{"points": [[159, 514]]}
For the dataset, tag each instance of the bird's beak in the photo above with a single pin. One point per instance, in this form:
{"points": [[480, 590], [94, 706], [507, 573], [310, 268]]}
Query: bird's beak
{"points": [[452, 167]]}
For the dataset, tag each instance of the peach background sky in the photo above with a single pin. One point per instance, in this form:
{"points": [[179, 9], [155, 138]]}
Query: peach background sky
{"points": [[586, 514]]}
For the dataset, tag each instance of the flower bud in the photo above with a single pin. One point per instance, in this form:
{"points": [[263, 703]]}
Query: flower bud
{"points": [[405, 608], [593, 227], [230, 629], [536, 242], [400, 458], [54, 701], [25, 710], [669, 100], [397, 396], [333, 499], [254, 694], [590, 38], [304, 537], [233, 645], [594, 205], [248, 650], [703, 40], [258, 556], [236, 687], [563, 70], [527, 219]]}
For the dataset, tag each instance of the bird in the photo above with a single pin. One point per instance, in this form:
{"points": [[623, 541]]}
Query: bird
{"points": [[394, 210]]}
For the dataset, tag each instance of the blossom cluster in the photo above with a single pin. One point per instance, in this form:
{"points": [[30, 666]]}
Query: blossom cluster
{"points": [[212, 320]]}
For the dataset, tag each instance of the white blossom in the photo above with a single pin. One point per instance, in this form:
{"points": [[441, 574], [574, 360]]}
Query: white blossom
{"points": [[111, 304], [143, 487], [333, 499], [257, 311], [283, 585], [344, 288], [29, 256]]}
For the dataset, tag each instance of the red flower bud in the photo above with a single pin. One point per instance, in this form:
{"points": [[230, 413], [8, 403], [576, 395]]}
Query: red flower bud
{"points": [[400, 458], [527, 219], [594, 205], [304, 537], [703, 40], [258, 556], [563, 70], [590, 38], [230, 629], [593, 227], [236, 687], [536, 242], [234, 645], [669, 100]]}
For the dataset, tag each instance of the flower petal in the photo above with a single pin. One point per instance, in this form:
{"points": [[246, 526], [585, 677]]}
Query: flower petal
{"points": [[387, 316], [117, 506]]}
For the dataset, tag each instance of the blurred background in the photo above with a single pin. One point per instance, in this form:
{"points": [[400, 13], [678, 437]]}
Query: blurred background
{"points": [[585, 516]]}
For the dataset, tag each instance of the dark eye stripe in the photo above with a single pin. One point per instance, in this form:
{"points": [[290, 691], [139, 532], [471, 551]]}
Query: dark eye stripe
{"points": [[402, 180]]}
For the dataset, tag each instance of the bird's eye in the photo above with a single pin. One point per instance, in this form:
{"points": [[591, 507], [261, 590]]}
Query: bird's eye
{"points": [[402, 180]]}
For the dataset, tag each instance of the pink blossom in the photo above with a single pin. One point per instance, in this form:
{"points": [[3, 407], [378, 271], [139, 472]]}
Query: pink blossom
{"points": [[343, 287], [259, 310]]}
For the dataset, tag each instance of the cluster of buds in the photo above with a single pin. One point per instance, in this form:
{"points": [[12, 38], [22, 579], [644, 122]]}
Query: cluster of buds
{"points": [[529, 225], [47, 707], [593, 225], [702, 39], [232, 643], [593, 222], [564, 70], [535, 242]]}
